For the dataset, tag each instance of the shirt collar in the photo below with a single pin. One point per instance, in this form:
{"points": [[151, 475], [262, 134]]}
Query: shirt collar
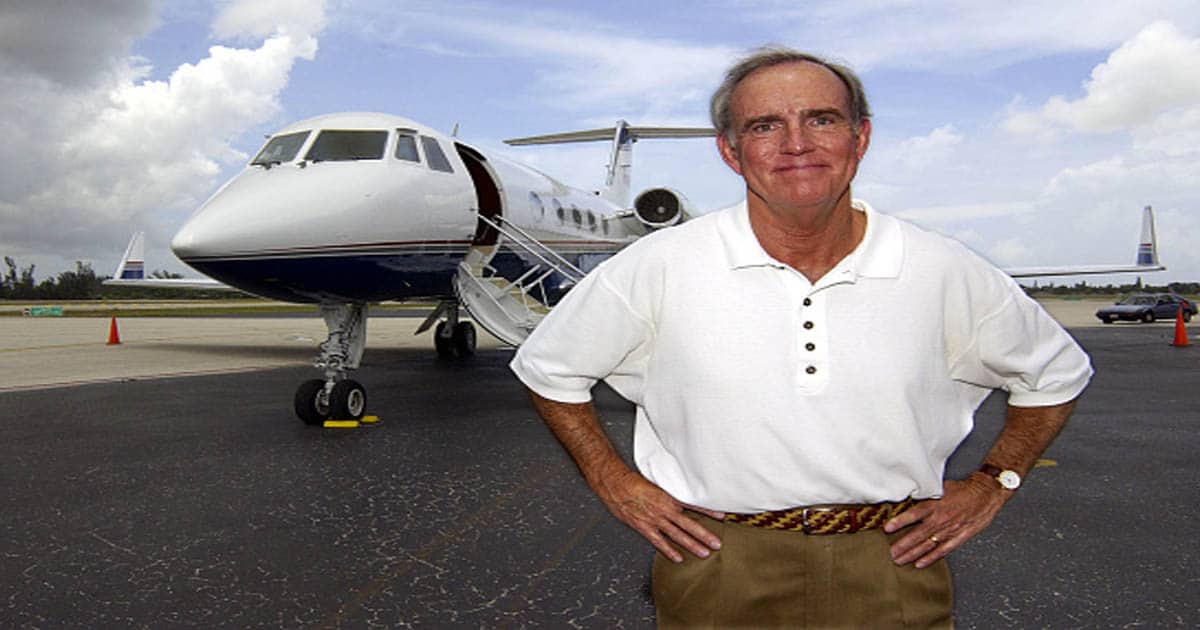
{"points": [[879, 255]]}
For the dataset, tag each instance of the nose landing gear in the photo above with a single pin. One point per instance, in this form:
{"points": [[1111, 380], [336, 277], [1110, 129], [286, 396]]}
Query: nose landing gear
{"points": [[336, 397]]}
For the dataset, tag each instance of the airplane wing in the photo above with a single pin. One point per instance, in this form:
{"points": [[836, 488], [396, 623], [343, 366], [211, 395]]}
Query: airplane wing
{"points": [[131, 272], [1147, 258]]}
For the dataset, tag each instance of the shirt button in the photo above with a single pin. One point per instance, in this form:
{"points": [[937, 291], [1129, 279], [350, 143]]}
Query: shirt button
{"points": [[810, 346], [807, 302], [810, 369], [808, 325]]}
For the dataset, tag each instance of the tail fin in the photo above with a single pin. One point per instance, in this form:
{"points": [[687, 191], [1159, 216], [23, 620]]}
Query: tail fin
{"points": [[1148, 245], [620, 162], [133, 263], [1147, 258]]}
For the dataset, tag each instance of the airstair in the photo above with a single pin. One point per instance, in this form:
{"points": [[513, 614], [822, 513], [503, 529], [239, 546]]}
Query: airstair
{"points": [[509, 309]]}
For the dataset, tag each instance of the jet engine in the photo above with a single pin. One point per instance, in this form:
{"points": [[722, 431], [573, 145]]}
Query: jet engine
{"points": [[658, 208]]}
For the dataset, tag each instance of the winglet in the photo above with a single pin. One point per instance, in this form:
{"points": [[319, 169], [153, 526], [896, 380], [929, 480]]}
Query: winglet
{"points": [[133, 263], [1148, 245]]}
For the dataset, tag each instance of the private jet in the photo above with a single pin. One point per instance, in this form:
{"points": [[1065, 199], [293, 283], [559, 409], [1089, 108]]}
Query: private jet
{"points": [[352, 209]]}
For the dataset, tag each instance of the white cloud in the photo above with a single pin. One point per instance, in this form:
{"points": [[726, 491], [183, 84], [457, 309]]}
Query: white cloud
{"points": [[1173, 136], [1152, 73], [934, 215], [597, 65], [256, 19], [69, 43], [958, 37], [1010, 252], [919, 153], [118, 152]]}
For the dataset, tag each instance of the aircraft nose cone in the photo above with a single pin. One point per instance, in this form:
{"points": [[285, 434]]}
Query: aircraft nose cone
{"points": [[191, 241]]}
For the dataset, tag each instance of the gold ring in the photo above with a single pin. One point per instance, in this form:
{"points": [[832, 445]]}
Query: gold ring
{"points": [[934, 539]]}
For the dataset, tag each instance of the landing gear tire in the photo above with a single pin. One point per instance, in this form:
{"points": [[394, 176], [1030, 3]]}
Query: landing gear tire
{"points": [[347, 401], [310, 403], [442, 342], [464, 339]]}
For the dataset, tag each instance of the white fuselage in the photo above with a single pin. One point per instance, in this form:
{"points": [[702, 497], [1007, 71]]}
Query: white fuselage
{"points": [[359, 208]]}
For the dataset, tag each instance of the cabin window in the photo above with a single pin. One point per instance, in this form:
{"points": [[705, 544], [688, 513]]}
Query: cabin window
{"points": [[576, 217], [341, 146], [433, 154], [406, 148], [538, 207], [281, 149], [559, 212], [591, 221]]}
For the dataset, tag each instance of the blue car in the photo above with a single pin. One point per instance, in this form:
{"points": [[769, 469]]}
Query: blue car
{"points": [[1147, 307]]}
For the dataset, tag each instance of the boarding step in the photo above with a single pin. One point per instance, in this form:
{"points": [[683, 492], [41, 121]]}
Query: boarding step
{"points": [[510, 309], [509, 314]]}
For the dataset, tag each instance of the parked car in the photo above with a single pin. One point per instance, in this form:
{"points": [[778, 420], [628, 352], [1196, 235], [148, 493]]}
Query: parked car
{"points": [[1147, 307]]}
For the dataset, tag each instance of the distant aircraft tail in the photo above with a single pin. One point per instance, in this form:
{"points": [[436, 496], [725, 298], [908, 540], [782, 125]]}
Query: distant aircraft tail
{"points": [[1147, 254], [1147, 258], [620, 162], [131, 272], [133, 263]]}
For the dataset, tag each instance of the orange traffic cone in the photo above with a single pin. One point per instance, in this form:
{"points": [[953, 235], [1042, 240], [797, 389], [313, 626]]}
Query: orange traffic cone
{"points": [[1181, 339], [114, 337]]}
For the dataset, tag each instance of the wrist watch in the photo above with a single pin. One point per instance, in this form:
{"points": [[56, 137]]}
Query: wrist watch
{"points": [[1007, 478]]}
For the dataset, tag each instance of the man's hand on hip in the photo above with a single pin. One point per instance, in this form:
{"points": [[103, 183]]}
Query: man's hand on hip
{"points": [[940, 526], [645, 507], [656, 515]]}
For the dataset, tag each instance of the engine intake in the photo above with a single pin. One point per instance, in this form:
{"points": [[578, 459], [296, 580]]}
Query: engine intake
{"points": [[658, 208]]}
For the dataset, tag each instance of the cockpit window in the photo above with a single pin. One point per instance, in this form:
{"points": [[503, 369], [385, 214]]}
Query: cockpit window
{"points": [[433, 153], [406, 147], [281, 149], [337, 146]]}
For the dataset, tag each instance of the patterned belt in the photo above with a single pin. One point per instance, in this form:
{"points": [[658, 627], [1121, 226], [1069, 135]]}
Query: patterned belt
{"points": [[824, 519]]}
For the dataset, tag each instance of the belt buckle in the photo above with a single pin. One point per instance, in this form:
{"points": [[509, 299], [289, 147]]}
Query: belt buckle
{"points": [[817, 509]]}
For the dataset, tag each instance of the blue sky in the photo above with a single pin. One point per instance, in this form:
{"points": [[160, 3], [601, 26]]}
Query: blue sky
{"points": [[1034, 132]]}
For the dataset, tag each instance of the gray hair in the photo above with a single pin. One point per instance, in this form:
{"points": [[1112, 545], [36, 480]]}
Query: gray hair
{"points": [[769, 56]]}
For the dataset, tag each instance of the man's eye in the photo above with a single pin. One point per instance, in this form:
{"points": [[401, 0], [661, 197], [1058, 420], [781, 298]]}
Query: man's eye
{"points": [[763, 127]]}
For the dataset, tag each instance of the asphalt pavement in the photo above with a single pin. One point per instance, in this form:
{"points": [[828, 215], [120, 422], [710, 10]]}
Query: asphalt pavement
{"points": [[201, 501]]}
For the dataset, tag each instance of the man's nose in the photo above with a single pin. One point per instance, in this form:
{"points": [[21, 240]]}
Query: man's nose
{"points": [[795, 138]]}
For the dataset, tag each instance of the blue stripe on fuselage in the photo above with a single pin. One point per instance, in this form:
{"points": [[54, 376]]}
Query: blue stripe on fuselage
{"points": [[365, 277]]}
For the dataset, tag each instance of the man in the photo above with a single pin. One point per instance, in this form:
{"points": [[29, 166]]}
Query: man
{"points": [[802, 368]]}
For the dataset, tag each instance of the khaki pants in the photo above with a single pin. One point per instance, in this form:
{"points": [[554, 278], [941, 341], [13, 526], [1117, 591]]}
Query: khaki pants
{"points": [[769, 578]]}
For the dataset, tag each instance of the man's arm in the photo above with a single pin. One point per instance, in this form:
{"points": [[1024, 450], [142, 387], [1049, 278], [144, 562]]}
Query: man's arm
{"points": [[645, 507], [968, 506]]}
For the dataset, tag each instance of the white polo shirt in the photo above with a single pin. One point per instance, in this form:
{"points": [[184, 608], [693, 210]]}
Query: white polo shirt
{"points": [[758, 390]]}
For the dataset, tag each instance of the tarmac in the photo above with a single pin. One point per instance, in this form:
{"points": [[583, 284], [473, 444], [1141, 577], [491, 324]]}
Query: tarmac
{"points": [[164, 482]]}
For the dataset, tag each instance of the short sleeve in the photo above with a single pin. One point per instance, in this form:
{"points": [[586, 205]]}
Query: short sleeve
{"points": [[592, 334], [1021, 349]]}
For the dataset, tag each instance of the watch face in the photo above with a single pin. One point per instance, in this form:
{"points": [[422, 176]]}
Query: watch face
{"points": [[1009, 479]]}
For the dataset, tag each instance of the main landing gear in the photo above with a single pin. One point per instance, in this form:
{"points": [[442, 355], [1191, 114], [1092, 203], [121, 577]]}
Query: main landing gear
{"points": [[336, 397], [452, 338]]}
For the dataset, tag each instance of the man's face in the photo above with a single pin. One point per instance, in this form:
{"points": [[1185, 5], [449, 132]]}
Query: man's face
{"points": [[795, 144]]}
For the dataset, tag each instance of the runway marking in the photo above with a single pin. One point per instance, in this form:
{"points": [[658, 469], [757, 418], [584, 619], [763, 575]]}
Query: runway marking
{"points": [[1045, 463]]}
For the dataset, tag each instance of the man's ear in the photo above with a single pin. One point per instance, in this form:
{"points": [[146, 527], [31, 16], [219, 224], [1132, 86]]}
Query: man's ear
{"points": [[729, 153], [863, 140]]}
